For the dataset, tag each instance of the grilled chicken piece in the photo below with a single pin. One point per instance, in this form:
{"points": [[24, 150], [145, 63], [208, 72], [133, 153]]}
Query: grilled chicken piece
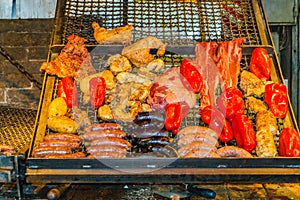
{"points": [[105, 113], [266, 127], [251, 84], [118, 63], [116, 35], [139, 52], [255, 105]]}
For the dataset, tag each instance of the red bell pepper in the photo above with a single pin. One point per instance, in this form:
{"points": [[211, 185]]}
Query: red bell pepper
{"points": [[216, 121], [231, 102], [260, 63], [67, 90], [289, 143], [97, 91], [189, 71], [173, 117], [243, 132], [277, 99]]}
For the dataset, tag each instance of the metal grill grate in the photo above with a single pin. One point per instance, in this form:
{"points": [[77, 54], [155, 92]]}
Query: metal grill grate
{"points": [[174, 22], [16, 127]]}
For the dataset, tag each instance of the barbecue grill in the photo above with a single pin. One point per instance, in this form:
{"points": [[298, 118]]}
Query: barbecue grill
{"points": [[181, 25]]}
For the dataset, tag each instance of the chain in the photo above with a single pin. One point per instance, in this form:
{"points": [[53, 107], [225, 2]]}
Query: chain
{"points": [[21, 68]]}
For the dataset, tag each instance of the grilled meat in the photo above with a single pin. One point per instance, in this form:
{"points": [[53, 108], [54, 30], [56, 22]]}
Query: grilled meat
{"points": [[251, 84], [255, 105]]}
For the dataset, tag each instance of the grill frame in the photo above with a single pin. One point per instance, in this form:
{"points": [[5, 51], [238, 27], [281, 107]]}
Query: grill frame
{"points": [[182, 170]]}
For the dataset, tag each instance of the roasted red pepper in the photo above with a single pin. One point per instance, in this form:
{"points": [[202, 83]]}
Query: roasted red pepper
{"points": [[289, 143], [97, 91], [67, 89], [243, 132], [277, 99], [173, 117], [260, 63], [189, 71], [231, 102], [216, 121]]}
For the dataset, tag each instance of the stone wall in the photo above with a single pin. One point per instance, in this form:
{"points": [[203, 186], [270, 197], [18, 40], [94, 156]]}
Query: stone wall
{"points": [[27, 41]]}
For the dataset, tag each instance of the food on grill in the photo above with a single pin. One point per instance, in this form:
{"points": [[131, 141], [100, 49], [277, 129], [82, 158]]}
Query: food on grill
{"points": [[103, 126], [111, 141], [255, 105], [59, 143], [196, 142], [67, 90], [217, 122], [62, 124], [7, 150], [201, 154], [139, 52], [229, 57], [243, 132], [233, 151], [105, 113], [116, 35], [260, 64], [97, 87], [200, 137], [81, 118], [194, 146], [98, 134], [118, 63], [71, 155], [107, 154], [289, 143], [206, 60], [196, 129], [168, 88], [53, 150], [126, 77], [189, 71], [106, 148], [73, 56], [277, 99], [156, 65], [266, 129], [127, 100], [173, 117], [251, 85], [62, 136], [230, 102], [57, 107]]}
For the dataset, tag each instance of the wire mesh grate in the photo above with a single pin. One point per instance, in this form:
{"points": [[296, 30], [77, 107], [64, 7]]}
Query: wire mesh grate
{"points": [[174, 22]]}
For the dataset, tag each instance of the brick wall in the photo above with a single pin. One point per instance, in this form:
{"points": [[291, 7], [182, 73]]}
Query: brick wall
{"points": [[27, 41]]}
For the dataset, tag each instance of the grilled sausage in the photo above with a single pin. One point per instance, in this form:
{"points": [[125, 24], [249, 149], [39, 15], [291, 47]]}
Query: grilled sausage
{"points": [[201, 154], [63, 136], [44, 151], [233, 151], [111, 141], [72, 155], [195, 146], [196, 129], [106, 148], [150, 133], [94, 135], [103, 126], [201, 137], [107, 155], [59, 143]]}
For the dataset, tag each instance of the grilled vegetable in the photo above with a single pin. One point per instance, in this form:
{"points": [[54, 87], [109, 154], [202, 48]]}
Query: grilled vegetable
{"points": [[231, 103], [173, 117], [97, 91], [216, 120], [260, 64], [105, 113], [189, 71], [67, 90], [62, 124], [289, 143], [57, 107], [277, 100], [243, 132]]}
